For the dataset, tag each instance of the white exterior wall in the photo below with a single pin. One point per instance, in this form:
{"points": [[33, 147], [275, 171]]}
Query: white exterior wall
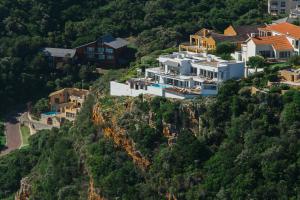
{"points": [[249, 50], [121, 89], [236, 70], [173, 96]]}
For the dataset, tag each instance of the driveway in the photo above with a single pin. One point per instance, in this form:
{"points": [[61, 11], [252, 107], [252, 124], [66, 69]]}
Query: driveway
{"points": [[12, 132]]}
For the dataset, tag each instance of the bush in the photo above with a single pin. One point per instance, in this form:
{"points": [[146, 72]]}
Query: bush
{"points": [[256, 62], [225, 48], [294, 60], [40, 107]]}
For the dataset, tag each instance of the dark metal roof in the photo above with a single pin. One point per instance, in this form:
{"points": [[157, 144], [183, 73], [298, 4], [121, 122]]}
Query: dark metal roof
{"points": [[243, 32], [116, 43], [109, 40], [223, 38], [60, 53]]}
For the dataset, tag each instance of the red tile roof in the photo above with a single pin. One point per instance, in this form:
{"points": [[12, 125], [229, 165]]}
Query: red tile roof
{"points": [[279, 42], [286, 29]]}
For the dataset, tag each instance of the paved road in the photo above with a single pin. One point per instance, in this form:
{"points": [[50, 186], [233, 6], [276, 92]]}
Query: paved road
{"points": [[12, 131]]}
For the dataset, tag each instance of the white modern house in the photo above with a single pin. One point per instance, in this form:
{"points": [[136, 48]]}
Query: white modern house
{"points": [[275, 41], [182, 75]]}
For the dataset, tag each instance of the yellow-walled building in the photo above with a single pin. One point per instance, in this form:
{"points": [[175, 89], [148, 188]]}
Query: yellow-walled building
{"points": [[207, 40]]}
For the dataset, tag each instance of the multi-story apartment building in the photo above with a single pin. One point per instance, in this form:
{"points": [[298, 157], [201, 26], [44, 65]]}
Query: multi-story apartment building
{"points": [[276, 7], [182, 75]]}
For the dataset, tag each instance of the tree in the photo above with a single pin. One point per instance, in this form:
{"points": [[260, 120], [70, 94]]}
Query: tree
{"points": [[41, 106], [256, 62], [225, 48]]}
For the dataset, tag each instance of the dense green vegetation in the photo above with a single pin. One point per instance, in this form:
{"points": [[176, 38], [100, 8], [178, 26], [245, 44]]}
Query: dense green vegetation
{"points": [[2, 135], [27, 26], [244, 147]]}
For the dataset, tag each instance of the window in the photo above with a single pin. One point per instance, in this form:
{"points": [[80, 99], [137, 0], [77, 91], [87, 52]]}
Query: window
{"points": [[90, 49], [215, 75], [266, 54], [56, 100], [209, 87], [193, 70], [101, 50], [284, 54], [101, 57], [109, 50], [282, 4], [70, 115], [90, 52], [91, 55], [110, 57]]}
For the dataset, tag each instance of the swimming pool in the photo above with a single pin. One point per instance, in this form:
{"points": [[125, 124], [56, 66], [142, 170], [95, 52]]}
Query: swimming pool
{"points": [[51, 113], [160, 85]]}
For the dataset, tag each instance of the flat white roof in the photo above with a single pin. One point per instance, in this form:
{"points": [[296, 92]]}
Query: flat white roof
{"points": [[198, 58]]}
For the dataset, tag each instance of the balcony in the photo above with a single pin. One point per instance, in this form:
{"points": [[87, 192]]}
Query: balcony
{"points": [[191, 48]]}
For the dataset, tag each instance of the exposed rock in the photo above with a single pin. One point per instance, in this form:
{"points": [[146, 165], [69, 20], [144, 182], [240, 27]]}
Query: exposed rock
{"points": [[118, 134], [93, 193], [25, 190]]}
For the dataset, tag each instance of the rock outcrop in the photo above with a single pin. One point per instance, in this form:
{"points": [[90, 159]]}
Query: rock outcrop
{"points": [[25, 190], [93, 194], [111, 130]]}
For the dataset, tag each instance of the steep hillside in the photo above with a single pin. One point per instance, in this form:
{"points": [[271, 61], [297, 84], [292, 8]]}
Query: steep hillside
{"points": [[234, 146]]}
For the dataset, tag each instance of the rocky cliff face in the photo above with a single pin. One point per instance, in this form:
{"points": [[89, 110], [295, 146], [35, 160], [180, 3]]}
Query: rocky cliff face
{"points": [[107, 120], [25, 190], [93, 193], [111, 130]]}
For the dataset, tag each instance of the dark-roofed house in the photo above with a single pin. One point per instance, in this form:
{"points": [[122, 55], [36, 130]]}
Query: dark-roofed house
{"points": [[58, 55], [105, 51]]}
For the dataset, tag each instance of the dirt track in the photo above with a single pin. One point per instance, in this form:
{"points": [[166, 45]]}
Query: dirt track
{"points": [[12, 132]]}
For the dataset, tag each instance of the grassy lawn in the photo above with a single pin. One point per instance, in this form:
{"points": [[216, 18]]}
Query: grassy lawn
{"points": [[25, 135]]}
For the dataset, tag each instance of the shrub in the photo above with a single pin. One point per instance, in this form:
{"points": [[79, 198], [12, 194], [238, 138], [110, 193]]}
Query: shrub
{"points": [[294, 60], [256, 62], [225, 48]]}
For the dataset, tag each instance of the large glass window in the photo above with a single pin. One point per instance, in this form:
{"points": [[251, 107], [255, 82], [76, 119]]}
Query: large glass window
{"points": [[90, 52], [101, 57], [266, 54], [109, 50], [101, 50], [90, 49], [284, 54], [110, 57]]}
